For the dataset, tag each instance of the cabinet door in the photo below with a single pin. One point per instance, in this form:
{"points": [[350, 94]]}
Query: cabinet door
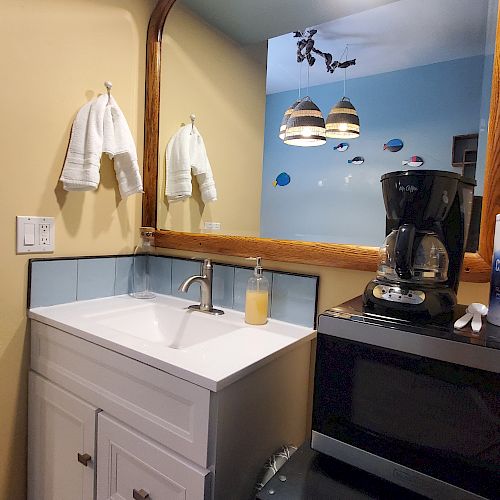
{"points": [[61, 442], [131, 466]]}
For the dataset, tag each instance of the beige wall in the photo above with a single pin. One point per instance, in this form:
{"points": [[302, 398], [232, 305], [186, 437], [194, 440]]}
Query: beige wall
{"points": [[208, 74], [55, 56]]}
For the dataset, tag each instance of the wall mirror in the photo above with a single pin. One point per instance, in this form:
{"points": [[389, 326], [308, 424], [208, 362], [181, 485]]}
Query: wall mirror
{"points": [[423, 76]]}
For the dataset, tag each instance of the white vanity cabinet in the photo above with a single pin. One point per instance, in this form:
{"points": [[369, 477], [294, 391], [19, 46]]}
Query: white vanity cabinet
{"points": [[103, 425]]}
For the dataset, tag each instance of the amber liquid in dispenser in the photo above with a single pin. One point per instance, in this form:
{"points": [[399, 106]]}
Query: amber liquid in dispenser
{"points": [[257, 297]]}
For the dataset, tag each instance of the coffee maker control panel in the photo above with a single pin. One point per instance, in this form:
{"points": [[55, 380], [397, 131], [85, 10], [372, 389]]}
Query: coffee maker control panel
{"points": [[393, 293]]}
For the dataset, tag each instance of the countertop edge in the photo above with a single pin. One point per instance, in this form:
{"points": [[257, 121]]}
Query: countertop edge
{"points": [[171, 369]]}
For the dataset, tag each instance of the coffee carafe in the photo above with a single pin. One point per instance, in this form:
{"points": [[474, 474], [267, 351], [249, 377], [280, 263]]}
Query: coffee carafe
{"points": [[428, 213]]}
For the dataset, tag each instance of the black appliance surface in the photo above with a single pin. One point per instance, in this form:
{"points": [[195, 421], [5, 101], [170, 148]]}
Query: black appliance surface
{"points": [[440, 327], [416, 196], [415, 403], [309, 475]]}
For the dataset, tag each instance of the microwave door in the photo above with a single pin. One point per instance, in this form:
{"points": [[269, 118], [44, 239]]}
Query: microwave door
{"points": [[429, 416]]}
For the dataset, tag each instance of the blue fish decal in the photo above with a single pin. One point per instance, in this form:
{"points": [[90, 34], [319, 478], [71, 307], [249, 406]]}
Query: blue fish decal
{"points": [[283, 179], [357, 160], [393, 145], [343, 146], [414, 161]]}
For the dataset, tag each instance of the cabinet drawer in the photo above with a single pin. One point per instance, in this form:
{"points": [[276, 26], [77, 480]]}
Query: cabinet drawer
{"points": [[170, 410], [131, 466]]}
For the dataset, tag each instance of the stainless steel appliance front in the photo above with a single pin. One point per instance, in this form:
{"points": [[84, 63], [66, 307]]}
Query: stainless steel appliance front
{"points": [[419, 410]]}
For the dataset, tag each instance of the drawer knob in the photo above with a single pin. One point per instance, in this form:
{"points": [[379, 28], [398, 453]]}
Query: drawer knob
{"points": [[140, 494], [84, 459]]}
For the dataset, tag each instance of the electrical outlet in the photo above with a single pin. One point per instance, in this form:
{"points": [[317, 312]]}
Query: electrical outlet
{"points": [[35, 234], [212, 226], [44, 234]]}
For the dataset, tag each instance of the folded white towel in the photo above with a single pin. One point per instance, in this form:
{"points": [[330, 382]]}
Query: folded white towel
{"points": [[83, 159], [119, 145], [100, 126], [186, 153]]}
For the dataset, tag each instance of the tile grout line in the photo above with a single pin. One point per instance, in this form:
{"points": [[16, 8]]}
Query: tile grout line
{"points": [[77, 273], [271, 296], [171, 275], [234, 282], [232, 291], [114, 283]]}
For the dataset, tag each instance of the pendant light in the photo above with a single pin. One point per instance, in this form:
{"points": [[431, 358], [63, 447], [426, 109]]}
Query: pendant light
{"points": [[343, 120], [306, 125], [284, 121]]}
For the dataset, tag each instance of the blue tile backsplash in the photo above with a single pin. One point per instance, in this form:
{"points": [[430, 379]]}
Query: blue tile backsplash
{"points": [[161, 275], [57, 281], [96, 278], [53, 282], [123, 275], [223, 286], [294, 298]]}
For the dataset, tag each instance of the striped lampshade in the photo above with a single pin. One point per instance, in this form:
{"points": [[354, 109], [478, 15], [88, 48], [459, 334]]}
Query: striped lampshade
{"points": [[306, 125], [287, 114], [343, 121]]}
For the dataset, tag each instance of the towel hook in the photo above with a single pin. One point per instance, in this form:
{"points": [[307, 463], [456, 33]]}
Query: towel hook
{"points": [[108, 86], [193, 118]]}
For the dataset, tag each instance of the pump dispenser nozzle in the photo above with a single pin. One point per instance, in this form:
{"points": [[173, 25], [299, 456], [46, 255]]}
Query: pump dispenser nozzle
{"points": [[259, 271]]}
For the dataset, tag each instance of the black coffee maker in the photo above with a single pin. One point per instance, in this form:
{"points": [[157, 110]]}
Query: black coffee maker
{"points": [[428, 215]]}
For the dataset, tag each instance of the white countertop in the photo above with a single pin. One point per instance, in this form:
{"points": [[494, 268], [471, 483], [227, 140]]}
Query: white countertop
{"points": [[213, 363]]}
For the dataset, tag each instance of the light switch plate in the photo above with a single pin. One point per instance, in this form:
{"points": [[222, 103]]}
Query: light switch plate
{"points": [[35, 234]]}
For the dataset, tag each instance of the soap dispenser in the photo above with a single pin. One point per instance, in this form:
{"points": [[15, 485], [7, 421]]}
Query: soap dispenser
{"points": [[257, 297], [141, 266]]}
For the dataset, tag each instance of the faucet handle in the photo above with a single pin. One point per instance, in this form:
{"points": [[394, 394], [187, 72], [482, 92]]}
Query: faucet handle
{"points": [[207, 264]]}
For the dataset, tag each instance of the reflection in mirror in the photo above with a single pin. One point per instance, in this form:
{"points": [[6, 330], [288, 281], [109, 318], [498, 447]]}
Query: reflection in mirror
{"points": [[422, 76]]}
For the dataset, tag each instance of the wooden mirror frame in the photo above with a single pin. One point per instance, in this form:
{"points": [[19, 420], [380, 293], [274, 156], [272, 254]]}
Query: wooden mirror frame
{"points": [[476, 265]]}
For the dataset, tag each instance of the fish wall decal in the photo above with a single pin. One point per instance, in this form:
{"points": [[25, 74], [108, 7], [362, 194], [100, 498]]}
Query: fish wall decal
{"points": [[414, 161], [357, 160], [282, 179], [393, 145], [343, 146]]}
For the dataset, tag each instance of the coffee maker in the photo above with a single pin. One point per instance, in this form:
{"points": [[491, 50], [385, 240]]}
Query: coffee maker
{"points": [[428, 217]]}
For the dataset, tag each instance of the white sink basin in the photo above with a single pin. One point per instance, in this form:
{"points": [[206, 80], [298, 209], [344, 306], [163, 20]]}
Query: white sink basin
{"points": [[211, 351], [172, 327]]}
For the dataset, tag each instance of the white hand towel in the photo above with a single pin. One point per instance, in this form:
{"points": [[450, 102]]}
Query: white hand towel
{"points": [[186, 153], [83, 159], [178, 166], [119, 144], [201, 168]]}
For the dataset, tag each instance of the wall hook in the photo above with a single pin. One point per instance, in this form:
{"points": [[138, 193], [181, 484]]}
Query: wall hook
{"points": [[108, 86]]}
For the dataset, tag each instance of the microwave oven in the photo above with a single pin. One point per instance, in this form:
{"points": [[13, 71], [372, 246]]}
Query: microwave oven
{"points": [[417, 405]]}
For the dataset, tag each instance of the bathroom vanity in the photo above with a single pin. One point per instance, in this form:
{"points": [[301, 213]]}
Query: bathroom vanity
{"points": [[144, 399]]}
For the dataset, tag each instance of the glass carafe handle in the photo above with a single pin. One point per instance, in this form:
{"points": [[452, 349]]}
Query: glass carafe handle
{"points": [[404, 251]]}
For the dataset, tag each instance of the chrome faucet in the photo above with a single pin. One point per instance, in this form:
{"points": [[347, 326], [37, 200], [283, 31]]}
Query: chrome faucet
{"points": [[205, 281]]}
